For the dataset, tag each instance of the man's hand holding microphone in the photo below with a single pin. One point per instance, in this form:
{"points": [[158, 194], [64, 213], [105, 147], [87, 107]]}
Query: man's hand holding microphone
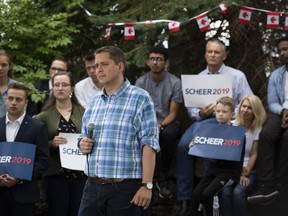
{"points": [[86, 144]]}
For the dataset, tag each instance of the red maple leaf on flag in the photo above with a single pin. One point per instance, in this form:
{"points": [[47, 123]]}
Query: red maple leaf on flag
{"points": [[203, 22], [174, 26], [129, 32], [273, 19], [245, 15]]}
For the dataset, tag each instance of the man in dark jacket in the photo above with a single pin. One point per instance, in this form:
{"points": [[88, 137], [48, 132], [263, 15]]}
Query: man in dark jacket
{"points": [[17, 196]]}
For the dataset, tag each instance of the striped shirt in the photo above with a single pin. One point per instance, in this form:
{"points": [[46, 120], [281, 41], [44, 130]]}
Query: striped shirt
{"points": [[124, 122]]}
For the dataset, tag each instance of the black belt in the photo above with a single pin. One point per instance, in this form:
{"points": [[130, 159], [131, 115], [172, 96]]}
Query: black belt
{"points": [[97, 180]]}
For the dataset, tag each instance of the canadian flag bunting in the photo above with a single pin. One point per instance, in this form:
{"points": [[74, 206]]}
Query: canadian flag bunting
{"points": [[245, 15], [108, 32], [203, 22], [273, 19], [286, 22], [174, 27], [149, 22], [223, 8], [129, 32]]}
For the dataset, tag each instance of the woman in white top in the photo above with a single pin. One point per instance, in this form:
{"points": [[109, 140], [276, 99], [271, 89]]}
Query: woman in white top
{"points": [[251, 115]]}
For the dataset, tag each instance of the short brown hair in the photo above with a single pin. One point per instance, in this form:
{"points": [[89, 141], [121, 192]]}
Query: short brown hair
{"points": [[19, 86], [116, 54], [227, 101]]}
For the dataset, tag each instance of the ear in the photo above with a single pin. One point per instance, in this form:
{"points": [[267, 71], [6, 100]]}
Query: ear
{"points": [[121, 67], [26, 102], [166, 63], [224, 57], [148, 63]]}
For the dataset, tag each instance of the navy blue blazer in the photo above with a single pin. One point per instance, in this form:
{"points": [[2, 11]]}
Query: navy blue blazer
{"points": [[34, 132]]}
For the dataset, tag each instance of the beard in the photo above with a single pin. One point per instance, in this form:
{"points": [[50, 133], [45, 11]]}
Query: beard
{"points": [[157, 69]]}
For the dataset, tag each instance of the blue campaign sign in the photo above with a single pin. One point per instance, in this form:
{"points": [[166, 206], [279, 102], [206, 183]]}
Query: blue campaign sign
{"points": [[17, 159], [218, 141]]}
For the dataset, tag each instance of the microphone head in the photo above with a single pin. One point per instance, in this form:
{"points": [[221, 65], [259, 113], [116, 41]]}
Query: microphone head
{"points": [[91, 126]]}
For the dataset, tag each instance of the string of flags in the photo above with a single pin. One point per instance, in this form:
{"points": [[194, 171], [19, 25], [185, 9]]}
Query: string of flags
{"points": [[245, 14]]}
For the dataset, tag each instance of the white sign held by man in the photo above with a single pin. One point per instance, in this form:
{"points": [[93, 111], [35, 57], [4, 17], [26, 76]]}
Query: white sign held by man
{"points": [[201, 90]]}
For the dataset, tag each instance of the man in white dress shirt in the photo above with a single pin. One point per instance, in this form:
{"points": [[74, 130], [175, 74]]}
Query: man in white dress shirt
{"points": [[90, 86]]}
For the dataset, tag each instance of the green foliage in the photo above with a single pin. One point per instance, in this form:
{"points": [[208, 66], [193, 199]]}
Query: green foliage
{"points": [[105, 12], [33, 37]]}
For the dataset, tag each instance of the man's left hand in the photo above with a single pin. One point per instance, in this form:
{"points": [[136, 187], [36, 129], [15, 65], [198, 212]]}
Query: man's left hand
{"points": [[142, 197]]}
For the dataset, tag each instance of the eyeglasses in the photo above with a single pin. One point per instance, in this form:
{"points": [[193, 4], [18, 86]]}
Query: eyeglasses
{"points": [[57, 69], [157, 59], [64, 85]]}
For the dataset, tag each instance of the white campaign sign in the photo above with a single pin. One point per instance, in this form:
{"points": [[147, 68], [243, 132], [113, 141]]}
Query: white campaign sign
{"points": [[70, 155], [201, 90]]}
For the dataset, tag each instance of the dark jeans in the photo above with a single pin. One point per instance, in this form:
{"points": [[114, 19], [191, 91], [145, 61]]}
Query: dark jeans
{"points": [[110, 199], [168, 142], [9, 207], [209, 186], [273, 147], [233, 199], [64, 195]]}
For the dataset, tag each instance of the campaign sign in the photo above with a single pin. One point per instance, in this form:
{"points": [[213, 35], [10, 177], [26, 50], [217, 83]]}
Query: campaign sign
{"points": [[70, 155], [218, 141], [201, 90], [17, 159]]}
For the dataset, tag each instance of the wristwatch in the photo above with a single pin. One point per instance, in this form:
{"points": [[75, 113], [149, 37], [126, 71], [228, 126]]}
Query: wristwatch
{"points": [[148, 185]]}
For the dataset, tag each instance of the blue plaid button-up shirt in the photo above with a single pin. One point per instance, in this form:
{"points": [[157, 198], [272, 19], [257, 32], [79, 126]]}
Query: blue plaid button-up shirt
{"points": [[124, 122]]}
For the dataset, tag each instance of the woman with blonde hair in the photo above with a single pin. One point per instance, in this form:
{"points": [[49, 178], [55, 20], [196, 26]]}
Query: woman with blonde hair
{"points": [[251, 115]]}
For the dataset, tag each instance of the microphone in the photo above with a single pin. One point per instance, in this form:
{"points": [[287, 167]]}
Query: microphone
{"points": [[91, 127]]}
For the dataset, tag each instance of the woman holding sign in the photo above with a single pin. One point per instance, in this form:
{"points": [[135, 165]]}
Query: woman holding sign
{"points": [[62, 114], [252, 116]]}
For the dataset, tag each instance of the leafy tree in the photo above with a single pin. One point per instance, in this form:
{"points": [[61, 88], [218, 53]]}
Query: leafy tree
{"points": [[33, 37], [251, 47]]}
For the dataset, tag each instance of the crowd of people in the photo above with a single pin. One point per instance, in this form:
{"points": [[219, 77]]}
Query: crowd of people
{"points": [[131, 137]]}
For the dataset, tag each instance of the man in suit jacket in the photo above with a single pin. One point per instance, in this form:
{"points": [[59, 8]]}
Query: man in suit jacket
{"points": [[17, 197]]}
